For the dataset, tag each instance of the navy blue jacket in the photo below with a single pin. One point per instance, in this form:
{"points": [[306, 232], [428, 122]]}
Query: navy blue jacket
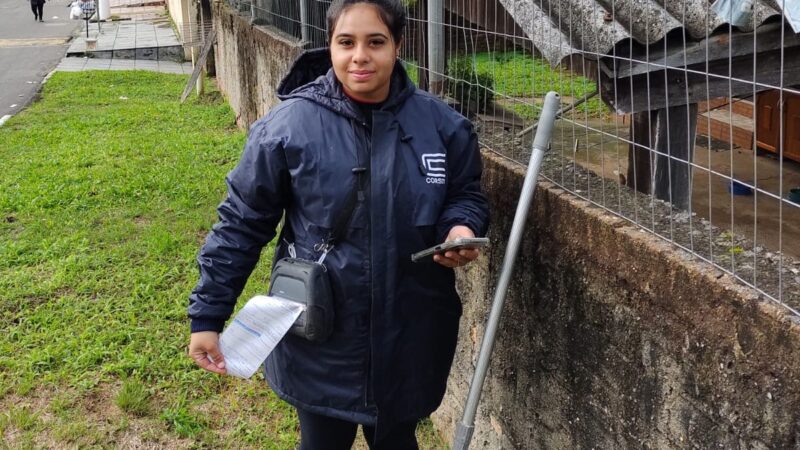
{"points": [[396, 322]]}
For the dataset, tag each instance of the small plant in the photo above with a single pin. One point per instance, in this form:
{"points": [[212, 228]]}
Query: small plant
{"points": [[22, 418], [412, 69], [71, 431], [182, 421], [473, 89], [133, 398]]}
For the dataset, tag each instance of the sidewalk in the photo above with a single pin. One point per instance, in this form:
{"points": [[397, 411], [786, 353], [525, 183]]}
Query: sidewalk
{"points": [[142, 40], [80, 63]]}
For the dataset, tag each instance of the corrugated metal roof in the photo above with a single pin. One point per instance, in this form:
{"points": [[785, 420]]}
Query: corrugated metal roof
{"points": [[561, 28]]}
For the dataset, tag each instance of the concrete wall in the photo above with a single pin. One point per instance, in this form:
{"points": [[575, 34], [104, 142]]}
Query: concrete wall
{"points": [[179, 11], [250, 62], [610, 337], [613, 339]]}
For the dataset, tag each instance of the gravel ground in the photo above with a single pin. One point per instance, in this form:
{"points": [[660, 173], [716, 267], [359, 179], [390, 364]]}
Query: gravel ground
{"points": [[774, 274]]}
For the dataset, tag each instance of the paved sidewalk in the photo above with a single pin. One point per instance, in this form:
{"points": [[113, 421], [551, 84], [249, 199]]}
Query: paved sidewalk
{"points": [[81, 63], [143, 40], [145, 32], [131, 39]]}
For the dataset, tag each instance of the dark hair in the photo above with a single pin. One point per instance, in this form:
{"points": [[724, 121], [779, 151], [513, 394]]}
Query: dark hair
{"points": [[391, 12]]}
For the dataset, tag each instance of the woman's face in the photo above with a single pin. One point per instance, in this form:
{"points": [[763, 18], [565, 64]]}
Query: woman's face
{"points": [[363, 53]]}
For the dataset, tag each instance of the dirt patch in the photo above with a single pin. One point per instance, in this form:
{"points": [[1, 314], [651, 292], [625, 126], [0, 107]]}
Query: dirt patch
{"points": [[67, 418]]}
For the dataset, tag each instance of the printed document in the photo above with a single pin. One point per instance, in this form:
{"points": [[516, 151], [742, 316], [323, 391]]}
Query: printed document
{"points": [[255, 331]]}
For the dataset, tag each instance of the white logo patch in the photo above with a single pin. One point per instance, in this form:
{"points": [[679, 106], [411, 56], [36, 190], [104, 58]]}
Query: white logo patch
{"points": [[435, 171]]}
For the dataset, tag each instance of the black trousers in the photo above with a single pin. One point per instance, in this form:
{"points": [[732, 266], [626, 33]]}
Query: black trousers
{"points": [[326, 433], [38, 10]]}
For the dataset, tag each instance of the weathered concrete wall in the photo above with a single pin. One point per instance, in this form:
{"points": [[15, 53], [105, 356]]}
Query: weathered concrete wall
{"points": [[250, 62], [611, 338]]}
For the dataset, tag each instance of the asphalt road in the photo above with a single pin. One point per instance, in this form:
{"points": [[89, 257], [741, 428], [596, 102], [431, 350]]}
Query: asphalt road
{"points": [[29, 50]]}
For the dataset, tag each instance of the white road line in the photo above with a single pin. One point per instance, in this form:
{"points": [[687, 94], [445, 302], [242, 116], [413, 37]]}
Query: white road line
{"points": [[4, 118]]}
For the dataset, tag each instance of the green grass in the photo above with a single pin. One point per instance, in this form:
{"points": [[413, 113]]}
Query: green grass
{"points": [[412, 71], [109, 186], [527, 79], [133, 398]]}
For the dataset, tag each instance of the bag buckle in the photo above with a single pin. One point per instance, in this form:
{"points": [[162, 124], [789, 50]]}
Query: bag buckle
{"points": [[323, 247]]}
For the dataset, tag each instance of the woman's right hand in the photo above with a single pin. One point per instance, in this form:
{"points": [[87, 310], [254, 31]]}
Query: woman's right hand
{"points": [[204, 350]]}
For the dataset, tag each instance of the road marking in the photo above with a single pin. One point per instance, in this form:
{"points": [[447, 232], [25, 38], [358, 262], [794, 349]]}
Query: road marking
{"points": [[40, 42], [4, 118]]}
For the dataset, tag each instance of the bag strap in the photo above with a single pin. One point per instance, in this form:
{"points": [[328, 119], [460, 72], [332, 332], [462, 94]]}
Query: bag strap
{"points": [[346, 216]]}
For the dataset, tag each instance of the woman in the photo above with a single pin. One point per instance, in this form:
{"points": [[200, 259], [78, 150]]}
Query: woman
{"points": [[352, 105], [37, 6]]}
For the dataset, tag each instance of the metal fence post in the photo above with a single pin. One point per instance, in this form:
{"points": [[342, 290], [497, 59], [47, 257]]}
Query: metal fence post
{"points": [[541, 143], [436, 46]]}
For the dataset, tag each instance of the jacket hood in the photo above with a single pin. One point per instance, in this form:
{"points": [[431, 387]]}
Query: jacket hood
{"points": [[311, 77]]}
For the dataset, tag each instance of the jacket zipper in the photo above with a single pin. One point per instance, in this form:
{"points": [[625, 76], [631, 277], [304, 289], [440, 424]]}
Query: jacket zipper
{"points": [[367, 200]]}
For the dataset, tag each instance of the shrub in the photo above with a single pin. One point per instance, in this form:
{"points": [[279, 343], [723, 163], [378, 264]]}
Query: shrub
{"points": [[474, 90]]}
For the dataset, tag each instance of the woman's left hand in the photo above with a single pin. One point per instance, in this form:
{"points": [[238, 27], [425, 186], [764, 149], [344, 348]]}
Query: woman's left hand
{"points": [[457, 258]]}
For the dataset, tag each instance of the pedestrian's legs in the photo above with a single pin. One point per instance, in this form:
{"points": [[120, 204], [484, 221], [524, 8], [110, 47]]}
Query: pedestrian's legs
{"points": [[402, 436], [35, 9], [319, 432], [40, 6]]}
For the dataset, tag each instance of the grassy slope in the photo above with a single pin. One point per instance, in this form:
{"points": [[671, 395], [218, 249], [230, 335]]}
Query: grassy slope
{"points": [[108, 188]]}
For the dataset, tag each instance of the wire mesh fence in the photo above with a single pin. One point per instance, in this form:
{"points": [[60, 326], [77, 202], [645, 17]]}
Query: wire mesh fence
{"points": [[303, 20], [682, 117]]}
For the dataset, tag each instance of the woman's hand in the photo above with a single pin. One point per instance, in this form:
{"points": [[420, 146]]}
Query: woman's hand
{"points": [[204, 350], [457, 258]]}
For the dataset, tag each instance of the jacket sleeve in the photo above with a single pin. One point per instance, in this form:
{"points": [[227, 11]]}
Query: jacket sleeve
{"points": [[258, 193], [465, 203]]}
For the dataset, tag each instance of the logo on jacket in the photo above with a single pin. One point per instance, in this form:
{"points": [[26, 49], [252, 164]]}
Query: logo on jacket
{"points": [[434, 164]]}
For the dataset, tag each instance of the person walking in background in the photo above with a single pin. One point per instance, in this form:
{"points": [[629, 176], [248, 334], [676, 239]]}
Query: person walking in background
{"points": [[37, 6], [352, 121]]}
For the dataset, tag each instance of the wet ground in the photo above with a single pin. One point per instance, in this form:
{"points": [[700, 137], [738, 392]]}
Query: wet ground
{"points": [[755, 237]]}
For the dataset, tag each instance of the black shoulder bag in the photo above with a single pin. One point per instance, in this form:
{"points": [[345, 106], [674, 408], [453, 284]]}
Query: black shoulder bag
{"points": [[307, 282]]}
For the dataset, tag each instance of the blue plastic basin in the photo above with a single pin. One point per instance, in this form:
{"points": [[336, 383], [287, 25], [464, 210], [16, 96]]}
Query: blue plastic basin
{"points": [[737, 188]]}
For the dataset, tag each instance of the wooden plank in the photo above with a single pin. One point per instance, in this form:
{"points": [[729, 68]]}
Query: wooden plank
{"points": [[639, 174], [490, 15], [675, 131], [721, 46], [660, 155], [675, 87], [198, 66]]}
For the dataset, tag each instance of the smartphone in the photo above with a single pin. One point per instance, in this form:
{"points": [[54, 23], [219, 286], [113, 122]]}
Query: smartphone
{"points": [[456, 244]]}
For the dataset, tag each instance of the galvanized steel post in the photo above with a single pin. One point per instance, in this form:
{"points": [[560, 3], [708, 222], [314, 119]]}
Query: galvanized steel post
{"points": [[436, 47], [541, 144]]}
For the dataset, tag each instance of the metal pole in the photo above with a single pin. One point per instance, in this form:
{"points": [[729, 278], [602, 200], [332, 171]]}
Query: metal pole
{"points": [[436, 46], [541, 143], [303, 22]]}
